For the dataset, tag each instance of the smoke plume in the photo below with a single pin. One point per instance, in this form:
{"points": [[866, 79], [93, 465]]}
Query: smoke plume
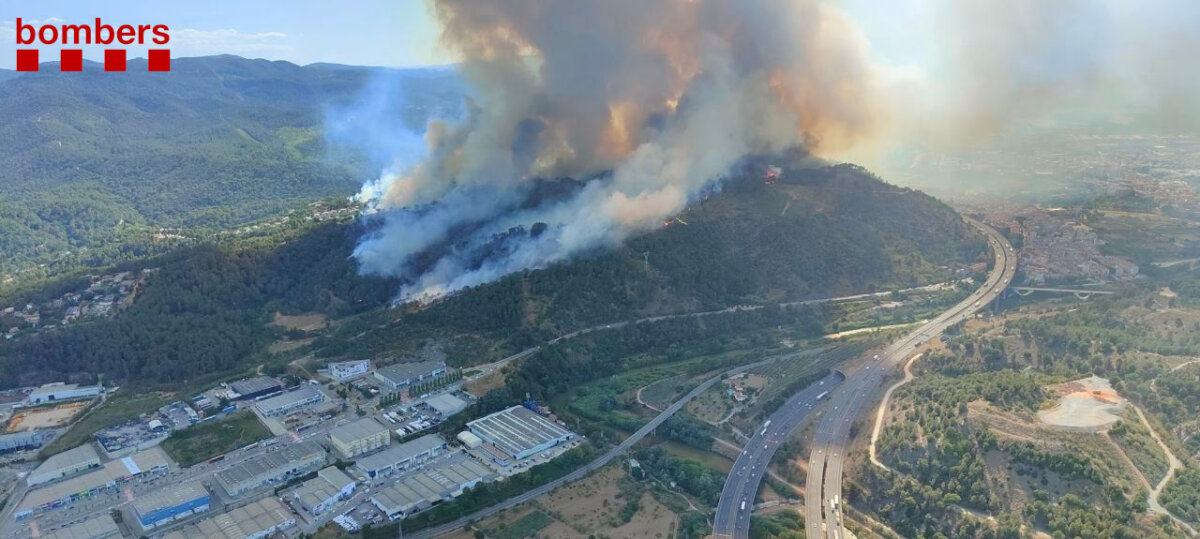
{"points": [[987, 65], [645, 104]]}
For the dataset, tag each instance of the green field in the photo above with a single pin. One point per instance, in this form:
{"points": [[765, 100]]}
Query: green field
{"points": [[207, 440]]}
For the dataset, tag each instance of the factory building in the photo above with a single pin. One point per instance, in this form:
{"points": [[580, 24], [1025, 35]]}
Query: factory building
{"points": [[348, 370], [98, 527], [426, 488], [169, 504], [273, 468], [469, 440], [402, 456], [289, 402], [359, 437], [320, 493], [405, 374], [253, 388], [519, 432], [446, 404], [262, 518], [58, 392], [107, 478], [67, 463], [20, 440]]}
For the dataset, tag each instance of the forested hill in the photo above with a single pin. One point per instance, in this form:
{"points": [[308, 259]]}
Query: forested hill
{"points": [[816, 233], [217, 141], [206, 311]]}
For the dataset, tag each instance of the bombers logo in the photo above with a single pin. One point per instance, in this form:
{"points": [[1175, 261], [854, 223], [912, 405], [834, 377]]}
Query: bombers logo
{"points": [[97, 34]]}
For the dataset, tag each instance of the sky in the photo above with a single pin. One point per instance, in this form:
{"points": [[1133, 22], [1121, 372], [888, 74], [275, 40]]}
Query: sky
{"points": [[396, 33]]}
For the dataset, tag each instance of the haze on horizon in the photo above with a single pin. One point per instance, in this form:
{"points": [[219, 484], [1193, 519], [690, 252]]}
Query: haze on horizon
{"points": [[669, 96]]}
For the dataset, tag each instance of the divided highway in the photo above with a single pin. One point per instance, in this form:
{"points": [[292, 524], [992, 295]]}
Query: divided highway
{"points": [[741, 486], [730, 514], [592, 466], [823, 499]]}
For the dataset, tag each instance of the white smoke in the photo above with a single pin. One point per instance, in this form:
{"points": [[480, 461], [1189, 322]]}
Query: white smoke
{"points": [[648, 103]]}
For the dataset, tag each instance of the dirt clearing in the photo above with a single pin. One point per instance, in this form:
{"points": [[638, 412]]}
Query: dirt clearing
{"points": [[1085, 404]]}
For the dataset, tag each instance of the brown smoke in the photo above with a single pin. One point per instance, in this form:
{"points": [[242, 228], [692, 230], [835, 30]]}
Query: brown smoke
{"points": [[665, 94]]}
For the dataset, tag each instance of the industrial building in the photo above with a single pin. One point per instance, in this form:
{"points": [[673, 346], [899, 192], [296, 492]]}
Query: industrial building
{"points": [[402, 456], [273, 468], [169, 504], [108, 477], [320, 493], [359, 437], [426, 488], [67, 463], [101, 526], [253, 388], [255, 520], [446, 404], [519, 432], [348, 370], [404, 374], [289, 402], [20, 440], [58, 392], [469, 440]]}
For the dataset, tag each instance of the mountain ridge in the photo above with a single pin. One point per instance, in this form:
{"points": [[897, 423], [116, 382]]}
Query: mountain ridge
{"points": [[218, 141]]}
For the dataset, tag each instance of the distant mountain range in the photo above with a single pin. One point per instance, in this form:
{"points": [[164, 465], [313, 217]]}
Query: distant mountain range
{"points": [[218, 141]]}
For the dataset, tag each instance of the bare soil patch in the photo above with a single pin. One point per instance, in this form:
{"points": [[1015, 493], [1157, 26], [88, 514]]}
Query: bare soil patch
{"points": [[46, 417], [1085, 404]]}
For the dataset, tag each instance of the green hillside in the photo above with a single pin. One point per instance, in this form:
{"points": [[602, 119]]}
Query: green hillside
{"points": [[206, 311], [94, 159]]}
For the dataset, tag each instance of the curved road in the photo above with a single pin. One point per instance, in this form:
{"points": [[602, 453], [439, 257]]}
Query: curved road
{"points": [[823, 496], [596, 464], [741, 485], [649, 427]]}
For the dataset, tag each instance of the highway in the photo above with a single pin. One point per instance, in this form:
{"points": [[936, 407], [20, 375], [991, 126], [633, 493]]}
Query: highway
{"points": [[741, 485], [823, 498], [592, 466]]}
